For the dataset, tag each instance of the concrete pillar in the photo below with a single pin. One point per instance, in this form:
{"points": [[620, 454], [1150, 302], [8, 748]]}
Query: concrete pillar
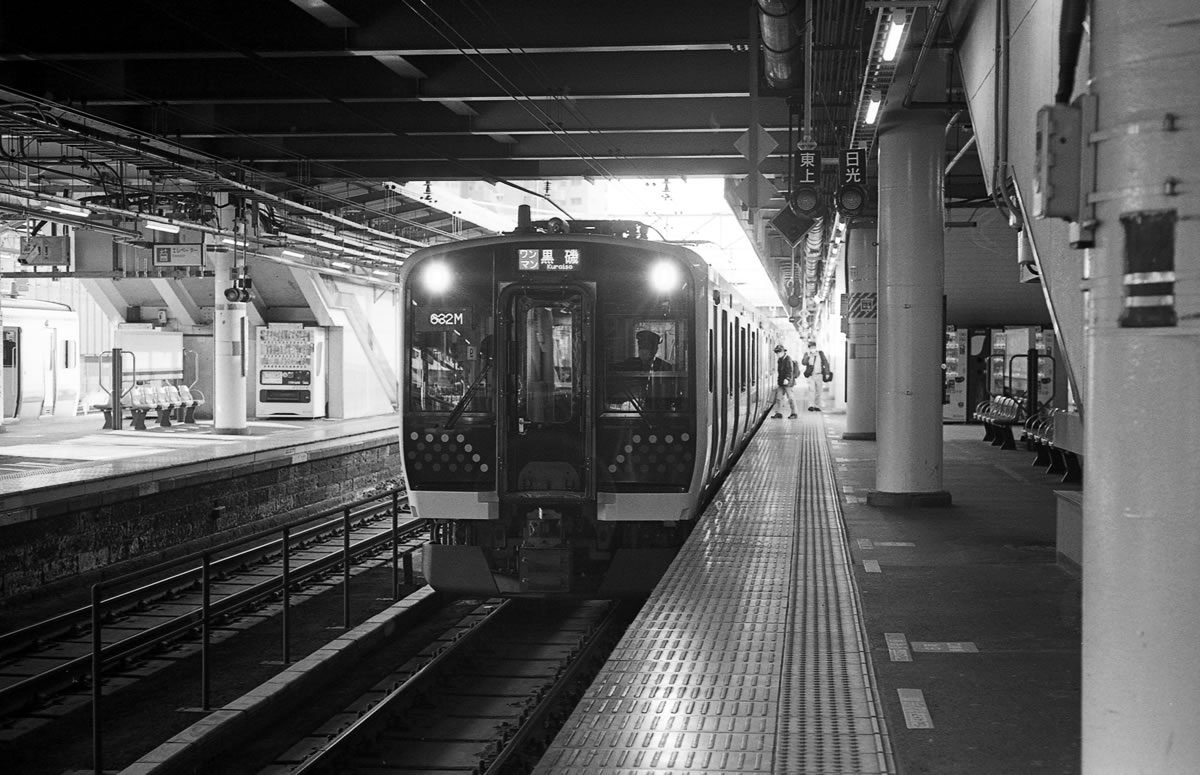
{"points": [[229, 362], [911, 285], [1141, 526], [862, 314]]}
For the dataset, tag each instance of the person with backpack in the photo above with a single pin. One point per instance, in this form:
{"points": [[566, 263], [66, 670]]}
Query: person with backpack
{"points": [[786, 370], [817, 378]]}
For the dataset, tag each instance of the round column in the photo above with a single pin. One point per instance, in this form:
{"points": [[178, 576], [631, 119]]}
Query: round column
{"points": [[911, 285], [1141, 527], [229, 353], [862, 315]]}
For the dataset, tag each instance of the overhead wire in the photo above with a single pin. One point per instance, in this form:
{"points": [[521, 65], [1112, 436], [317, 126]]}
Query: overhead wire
{"points": [[482, 62]]}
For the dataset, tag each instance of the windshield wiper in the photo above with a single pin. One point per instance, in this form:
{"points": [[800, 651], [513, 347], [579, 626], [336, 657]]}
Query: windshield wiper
{"points": [[461, 406], [637, 405]]}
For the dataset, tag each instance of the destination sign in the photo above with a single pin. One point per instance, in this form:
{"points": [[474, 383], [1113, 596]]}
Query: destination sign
{"points": [[548, 259]]}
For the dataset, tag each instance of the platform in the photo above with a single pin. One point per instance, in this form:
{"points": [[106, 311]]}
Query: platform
{"points": [[48, 458], [79, 504], [801, 630]]}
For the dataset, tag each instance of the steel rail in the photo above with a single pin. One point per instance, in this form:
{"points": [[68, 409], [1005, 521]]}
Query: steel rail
{"points": [[13, 697]]}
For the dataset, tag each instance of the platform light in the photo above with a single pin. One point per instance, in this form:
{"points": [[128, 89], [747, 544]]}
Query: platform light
{"points": [[892, 43], [665, 276], [873, 106], [291, 253], [437, 277], [79, 212], [167, 228]]}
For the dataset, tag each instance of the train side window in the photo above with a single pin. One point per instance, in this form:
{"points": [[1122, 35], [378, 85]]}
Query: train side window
{"points": [[10, 347], [712, 362]]}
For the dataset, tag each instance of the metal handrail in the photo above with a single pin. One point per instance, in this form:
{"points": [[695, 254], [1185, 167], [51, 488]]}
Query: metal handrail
{"points": [[207, 610]]}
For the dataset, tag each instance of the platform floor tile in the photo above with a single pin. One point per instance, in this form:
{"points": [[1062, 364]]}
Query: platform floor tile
{"points": [[750, 655]]}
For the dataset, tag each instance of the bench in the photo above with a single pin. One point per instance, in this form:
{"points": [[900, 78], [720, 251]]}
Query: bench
{"points": [[167, 401], [1054, 448], [999, 414]]}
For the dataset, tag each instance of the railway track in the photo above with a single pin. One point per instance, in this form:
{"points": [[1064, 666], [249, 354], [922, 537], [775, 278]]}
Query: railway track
{"points": [[484, 697], [44, 666]]}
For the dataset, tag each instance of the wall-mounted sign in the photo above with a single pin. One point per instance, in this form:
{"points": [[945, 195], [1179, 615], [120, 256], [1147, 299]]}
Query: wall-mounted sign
{"points": [[181, 254]]}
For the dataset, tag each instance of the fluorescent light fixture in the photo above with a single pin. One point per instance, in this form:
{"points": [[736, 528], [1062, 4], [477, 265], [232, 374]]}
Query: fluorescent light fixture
{"points": [[340, 264], [291, 253], [873, 106], [168, 228], [228, 241], [892, 43], [81, 212]]}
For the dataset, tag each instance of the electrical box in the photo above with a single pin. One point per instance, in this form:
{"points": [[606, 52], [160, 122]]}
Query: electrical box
{"points": [[1058, 158], [45, 251]]}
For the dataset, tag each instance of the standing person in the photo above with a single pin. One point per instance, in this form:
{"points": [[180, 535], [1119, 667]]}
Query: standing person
{"points": [[817, 372], [785, 370]]}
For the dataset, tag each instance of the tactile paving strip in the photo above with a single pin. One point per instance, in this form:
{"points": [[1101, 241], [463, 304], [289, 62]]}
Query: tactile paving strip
{"points": [[749, 657]]}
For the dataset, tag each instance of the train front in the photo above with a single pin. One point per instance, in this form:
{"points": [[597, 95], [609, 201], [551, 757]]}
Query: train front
{"points": [[549, 411]]}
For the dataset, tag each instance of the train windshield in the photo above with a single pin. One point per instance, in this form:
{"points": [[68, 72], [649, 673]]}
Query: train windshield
{"points": [[650, 368], [450, 355]]}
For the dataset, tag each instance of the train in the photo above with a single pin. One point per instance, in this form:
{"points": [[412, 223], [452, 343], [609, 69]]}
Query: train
{"points": [[41, 372], [572, 395]]}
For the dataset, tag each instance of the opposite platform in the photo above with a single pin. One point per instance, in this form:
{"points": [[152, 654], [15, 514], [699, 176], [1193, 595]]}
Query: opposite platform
{"points": [[80, 504], [57, 456]]}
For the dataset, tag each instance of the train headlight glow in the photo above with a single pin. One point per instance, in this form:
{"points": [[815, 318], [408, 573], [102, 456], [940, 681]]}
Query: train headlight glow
{"points": [[437, 277], [665, 277]]}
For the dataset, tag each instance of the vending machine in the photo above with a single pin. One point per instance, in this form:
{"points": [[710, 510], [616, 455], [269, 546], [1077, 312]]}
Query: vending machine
{"points": [[955, 407], [997, 379], [289, 371]]}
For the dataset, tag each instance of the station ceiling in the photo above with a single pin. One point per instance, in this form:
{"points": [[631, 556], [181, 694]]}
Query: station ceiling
{"points": [[317, 108]]}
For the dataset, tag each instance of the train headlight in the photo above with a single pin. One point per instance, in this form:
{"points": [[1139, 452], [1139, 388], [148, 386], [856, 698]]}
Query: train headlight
{"points": [[665, 277], [437, 277]]}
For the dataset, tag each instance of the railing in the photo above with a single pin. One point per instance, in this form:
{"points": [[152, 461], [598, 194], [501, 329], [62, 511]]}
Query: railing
{"points": [[281, 539]]}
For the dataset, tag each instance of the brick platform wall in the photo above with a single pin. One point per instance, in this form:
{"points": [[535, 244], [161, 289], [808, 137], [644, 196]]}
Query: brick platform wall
{"points": [[68, 545]]}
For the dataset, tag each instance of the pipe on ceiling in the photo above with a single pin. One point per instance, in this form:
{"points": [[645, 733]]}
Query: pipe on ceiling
{"points": [[780, 41]]}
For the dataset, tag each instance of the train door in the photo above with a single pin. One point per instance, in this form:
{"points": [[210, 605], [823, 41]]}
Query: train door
{"points": [[735, 368], [721, 404], [544, 427], [545, 469], [12, 370], [48, 370]]}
